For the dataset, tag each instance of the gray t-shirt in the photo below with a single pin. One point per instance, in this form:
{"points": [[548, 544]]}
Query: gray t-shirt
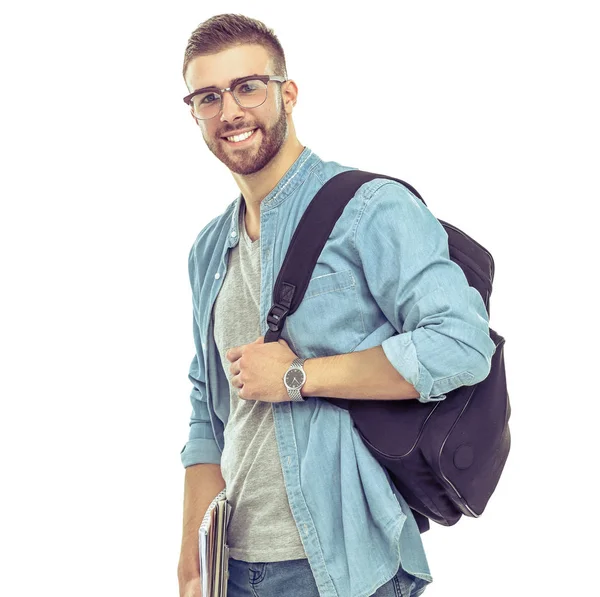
{"points": [[261, 528]]}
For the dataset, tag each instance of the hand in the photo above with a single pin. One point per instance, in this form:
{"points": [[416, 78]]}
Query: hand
{"points": [[258, 369]]}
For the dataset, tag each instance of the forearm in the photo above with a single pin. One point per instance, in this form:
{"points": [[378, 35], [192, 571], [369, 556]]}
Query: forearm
{"points": [[367, 374], [203, 482]]}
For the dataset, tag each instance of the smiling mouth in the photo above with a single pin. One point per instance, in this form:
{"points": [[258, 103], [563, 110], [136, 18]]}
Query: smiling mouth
{"points": [[238, 139]]}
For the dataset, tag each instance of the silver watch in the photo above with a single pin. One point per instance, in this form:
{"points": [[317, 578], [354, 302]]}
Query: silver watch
{"points": [[294, 379]]}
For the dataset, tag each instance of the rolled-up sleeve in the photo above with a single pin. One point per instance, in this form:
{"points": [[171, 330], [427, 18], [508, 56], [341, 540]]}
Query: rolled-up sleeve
{"points": [[201, 446], [443, 340]]}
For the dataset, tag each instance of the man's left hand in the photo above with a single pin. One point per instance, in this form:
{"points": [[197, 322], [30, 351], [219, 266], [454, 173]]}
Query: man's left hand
{"points": [[258, 369]]}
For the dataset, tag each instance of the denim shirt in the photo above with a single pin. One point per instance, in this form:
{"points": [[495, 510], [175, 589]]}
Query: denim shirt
{"points": [[383, 278]]}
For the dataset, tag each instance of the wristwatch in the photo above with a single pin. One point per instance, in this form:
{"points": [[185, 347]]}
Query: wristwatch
{"points": [[294, 379]]}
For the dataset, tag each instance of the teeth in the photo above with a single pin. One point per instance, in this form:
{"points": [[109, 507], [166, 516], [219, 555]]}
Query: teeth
{"points": [[241, 137]]}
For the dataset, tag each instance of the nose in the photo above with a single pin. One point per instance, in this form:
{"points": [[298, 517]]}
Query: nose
{"points": [[230, 110]]}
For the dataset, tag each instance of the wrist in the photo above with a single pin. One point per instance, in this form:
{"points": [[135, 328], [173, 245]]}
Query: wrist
{"points": [[188, 569], [311, 387], [186, 579]]}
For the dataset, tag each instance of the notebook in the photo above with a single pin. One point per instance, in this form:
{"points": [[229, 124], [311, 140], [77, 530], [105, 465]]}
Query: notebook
{"points": [[214, 552]]}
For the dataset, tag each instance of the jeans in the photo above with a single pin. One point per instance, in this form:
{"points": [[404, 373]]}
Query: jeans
{"points": [[294, 578]]}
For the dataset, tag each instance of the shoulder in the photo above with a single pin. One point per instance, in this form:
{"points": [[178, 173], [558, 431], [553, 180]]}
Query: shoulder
{"points": [[210, 234], [383, 198], [383, 190], [379, 189], [323, 170], [390, 212]]}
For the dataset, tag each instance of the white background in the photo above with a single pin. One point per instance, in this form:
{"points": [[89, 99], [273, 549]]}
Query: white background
{"points": [[489, 109]]}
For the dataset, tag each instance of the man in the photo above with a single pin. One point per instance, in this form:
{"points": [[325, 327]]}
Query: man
{"points": [[386, 315]]}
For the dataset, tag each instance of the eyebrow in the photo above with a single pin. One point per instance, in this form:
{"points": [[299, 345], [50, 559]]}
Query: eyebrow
{"points": [[231, 83]]}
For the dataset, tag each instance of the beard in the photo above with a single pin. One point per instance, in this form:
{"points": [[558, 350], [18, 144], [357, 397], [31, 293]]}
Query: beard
{"points": [[253, 159]]}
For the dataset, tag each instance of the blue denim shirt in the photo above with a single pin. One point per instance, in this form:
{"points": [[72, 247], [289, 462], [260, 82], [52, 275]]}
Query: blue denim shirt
{"points": [[384, 278]]}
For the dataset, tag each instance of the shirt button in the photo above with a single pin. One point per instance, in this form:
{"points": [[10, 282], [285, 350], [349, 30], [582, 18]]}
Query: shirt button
{"points": [[217, 276], [233, 233], [203, 346]]}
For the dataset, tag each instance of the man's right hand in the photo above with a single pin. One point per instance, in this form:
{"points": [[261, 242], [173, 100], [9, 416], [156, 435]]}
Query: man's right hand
{"points": [[202, 483]]}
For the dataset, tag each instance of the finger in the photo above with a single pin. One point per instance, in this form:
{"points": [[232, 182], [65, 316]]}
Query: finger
{"points": [[236, 382], [233, 354]]}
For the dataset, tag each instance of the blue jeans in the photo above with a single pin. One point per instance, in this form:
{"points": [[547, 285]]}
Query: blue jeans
{"points": [[294, 578]]}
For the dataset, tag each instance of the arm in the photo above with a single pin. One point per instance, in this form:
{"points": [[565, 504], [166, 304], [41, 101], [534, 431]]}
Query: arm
{"points": [[202, 483], [443, 337], [363, 375], [201, 458], [201, 446]]}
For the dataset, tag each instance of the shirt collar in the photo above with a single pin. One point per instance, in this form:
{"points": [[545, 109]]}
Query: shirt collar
{"points": [[288, 183]]}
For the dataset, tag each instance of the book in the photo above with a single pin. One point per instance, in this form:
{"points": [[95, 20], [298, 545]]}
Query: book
{"points": [[213, 548]]}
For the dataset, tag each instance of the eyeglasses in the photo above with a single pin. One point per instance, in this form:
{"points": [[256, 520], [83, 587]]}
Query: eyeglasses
{"points": [[248, 92]]}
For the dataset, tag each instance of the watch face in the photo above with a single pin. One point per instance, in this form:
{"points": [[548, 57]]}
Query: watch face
{"points": [[294, 378]]}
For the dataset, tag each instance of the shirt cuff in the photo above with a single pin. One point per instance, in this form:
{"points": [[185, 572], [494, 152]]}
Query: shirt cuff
{"points": [[200, 451], [402, 354]]}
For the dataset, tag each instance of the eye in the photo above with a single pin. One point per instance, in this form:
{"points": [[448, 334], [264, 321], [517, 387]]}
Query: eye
{"points": [[208, 98], [249, 86]]}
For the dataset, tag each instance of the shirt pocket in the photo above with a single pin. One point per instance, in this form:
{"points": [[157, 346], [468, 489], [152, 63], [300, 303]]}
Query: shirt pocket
{"points": [[329, 319]]}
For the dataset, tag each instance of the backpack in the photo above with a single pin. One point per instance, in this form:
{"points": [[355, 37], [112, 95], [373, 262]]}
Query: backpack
{"points": [[445, 457]]}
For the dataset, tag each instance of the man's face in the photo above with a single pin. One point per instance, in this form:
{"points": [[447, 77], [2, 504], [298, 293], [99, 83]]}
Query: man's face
{"points": [[269, 119]]}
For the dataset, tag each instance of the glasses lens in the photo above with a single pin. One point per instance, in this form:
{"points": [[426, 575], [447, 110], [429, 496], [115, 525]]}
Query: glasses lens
{"points": [[206, 105], [250, 94]]}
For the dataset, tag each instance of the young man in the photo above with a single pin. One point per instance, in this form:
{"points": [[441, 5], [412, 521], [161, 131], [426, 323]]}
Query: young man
{"points": [[387, 315]]}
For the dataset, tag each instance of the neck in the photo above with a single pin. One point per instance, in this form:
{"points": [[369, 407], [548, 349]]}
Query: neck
{"points": [[255, 187]]}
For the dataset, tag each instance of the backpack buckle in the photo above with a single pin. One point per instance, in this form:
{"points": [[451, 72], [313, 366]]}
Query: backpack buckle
{"points": [[276, 317]]}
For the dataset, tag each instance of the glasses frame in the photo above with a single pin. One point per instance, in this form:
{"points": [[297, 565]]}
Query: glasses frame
{"points": [[264, 78]]}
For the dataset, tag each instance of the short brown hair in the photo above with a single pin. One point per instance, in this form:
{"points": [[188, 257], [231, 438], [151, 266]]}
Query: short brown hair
{"points": [[222, 32]]}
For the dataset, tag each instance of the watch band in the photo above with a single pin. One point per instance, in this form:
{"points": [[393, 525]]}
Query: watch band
{"points": [[295, 394]]}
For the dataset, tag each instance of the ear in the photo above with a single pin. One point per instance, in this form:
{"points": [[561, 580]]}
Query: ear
{"points": [[290, 95]]}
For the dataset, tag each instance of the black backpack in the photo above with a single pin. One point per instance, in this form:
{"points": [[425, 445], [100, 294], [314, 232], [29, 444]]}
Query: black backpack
{"points": [[445, 457]]}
